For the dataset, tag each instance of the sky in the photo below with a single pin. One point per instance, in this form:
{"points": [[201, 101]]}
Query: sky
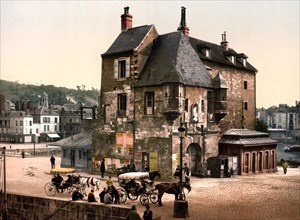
{"points": [[60, 42]]}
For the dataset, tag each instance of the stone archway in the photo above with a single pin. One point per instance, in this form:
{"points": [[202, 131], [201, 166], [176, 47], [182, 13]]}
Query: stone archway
{"points": [[195, 154]]}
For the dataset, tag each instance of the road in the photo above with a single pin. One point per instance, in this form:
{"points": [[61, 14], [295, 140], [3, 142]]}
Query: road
{"points": [[264, 196]]}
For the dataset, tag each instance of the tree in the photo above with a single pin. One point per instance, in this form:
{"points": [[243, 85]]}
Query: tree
{"points": [[261, 126]]}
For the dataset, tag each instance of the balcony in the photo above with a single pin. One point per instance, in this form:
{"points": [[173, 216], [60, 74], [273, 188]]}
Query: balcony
{"points": [[220, 110], [172, 107]]}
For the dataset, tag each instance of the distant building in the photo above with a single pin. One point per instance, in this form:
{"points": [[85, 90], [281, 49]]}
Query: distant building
{"points": [[16, 127]]}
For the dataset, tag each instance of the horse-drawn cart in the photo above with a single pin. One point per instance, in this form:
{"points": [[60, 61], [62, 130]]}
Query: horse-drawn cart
{"points": [[135, 184], [59, 185]]}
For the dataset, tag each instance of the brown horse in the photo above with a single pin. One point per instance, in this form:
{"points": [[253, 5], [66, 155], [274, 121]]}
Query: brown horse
{"points": [[170, 188]]}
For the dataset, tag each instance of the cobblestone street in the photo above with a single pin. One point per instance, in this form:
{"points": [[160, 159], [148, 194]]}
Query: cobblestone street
{"points": [[267, 196]]}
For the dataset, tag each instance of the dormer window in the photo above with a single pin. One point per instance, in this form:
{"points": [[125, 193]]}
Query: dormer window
{"points": [[244, 62], [242, 58], [206, 52], [232, 59], [122, 68]]}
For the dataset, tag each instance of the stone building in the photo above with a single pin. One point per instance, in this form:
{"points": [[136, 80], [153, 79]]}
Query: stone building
{"points": [[151, 82]]}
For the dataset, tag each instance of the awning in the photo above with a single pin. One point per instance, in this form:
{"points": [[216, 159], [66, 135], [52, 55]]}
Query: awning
{"points": [[53, 136]]}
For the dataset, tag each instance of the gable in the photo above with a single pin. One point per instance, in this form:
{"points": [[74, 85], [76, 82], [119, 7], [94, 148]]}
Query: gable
{"points": [[128, 40]]}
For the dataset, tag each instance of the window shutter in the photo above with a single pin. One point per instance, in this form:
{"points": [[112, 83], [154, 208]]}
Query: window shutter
{"points": [[116, 68], [127, 67]]}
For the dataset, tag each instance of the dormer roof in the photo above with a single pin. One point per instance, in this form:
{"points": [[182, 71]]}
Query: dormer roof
{"points": [[219, 55]]}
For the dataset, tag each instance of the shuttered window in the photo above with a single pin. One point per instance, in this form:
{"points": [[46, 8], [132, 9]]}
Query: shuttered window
{"points": [[122, 68]]}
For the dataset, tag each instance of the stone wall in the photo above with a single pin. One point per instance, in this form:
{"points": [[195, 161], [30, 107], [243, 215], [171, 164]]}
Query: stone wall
{"points": [[39, 208]]}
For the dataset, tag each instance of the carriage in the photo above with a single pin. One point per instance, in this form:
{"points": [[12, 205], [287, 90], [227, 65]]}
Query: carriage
{"points": [[58, 185], [138, 184]]}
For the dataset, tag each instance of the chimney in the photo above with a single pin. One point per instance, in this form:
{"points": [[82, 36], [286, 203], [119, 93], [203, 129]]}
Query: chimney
{"points": [[126, 20], [224, 43], [182, 26]]}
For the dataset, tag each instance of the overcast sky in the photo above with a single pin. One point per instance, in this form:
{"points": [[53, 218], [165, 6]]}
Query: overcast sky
{"points": [[60, 42]]}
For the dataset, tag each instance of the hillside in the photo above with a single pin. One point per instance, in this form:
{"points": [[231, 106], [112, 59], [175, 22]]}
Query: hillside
{"points": [[15, 91]]}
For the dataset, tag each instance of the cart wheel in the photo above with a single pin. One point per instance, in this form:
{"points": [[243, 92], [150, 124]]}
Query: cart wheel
{"points": [[153, 197], [144, 199], [50, 189], [132, 196], [123, 195]]}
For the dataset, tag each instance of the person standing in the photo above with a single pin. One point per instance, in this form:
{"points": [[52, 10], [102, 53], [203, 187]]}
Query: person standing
{"points": [[147, 213], [285, 166], [133, 214], [102, 168], [186, 170], [52, 160], [109, 182]]}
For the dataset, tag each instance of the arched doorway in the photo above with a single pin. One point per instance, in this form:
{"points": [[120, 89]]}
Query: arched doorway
{"points": [[195, 155]]}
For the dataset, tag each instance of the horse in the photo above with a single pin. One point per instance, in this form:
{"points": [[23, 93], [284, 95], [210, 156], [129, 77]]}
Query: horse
{"points": [[170, 188], [153, 174], [90, 181]]}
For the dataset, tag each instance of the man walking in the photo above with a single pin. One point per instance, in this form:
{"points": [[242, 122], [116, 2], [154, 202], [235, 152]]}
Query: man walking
{"points": [[52, 160], [102, 168]]}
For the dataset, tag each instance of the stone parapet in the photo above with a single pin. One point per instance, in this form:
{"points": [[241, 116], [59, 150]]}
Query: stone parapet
{"points": [[39, 208]]}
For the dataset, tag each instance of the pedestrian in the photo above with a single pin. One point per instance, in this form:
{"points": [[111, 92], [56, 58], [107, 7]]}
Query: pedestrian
{"points": [[101, 195], [23, 154], [102, 168], [186, 170], [284, 166], [109, 182], [107, 197], [91, 196], [147, 213], [133, 214], [52, 160]]}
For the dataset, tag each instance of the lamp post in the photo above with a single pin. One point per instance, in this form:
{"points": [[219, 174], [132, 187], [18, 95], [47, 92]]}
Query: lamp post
{"points": [[180, 204], [181, 130]]}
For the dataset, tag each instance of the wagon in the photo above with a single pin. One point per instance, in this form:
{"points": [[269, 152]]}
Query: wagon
{"points": [[134, 185], [58, 185]]}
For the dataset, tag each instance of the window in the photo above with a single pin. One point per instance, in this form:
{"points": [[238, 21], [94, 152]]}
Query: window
{"points": [[202, 106], [64, 153], [245, 84], [122, 68], [122, 102], [149, 103], [16, 123], [245, 106], [55, 120], [186, 105], [80, 154], [21, 123]]}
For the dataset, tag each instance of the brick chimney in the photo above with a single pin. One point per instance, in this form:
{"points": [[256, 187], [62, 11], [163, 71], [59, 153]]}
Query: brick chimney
{"points": [[126, 20], [182, 26], [224, 43]]}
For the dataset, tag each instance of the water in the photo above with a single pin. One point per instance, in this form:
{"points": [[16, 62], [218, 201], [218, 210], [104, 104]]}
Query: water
{"points": [[292, 157]]}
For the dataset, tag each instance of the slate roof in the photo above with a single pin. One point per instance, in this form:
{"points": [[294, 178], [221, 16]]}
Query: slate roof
{"points": [[218, 54], [173, 60], [81, 140], [128, 40], [246, 137]]}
